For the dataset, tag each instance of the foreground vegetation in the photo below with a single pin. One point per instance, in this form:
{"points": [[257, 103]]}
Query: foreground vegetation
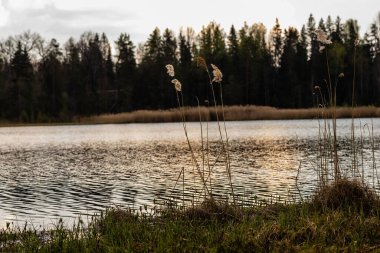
{"points": [[342, 217]]}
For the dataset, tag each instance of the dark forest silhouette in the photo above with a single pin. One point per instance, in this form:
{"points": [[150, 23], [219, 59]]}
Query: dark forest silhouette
{"points": [[43, 81]]}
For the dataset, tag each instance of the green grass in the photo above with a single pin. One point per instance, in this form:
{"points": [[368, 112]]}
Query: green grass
{"points": [[219, 227]]}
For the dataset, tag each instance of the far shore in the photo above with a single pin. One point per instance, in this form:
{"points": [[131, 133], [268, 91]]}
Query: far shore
{"points": [[231, 113]]}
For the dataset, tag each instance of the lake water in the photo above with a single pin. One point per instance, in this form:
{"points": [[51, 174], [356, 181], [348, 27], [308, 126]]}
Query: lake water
{"points": [[65, 171]]}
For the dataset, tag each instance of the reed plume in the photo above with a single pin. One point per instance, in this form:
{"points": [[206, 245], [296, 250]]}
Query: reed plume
{"points": [[178, 88], [323, 40], [217, 78]]}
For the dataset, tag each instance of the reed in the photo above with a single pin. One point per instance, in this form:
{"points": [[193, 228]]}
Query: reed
{"points": [[232, 113], [178, 88], [329, 168], [219, 115], [217, 79], [324, 41], [353, 141]]}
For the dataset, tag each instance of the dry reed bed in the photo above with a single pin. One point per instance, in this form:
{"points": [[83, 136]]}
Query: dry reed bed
{"points": [[232, 113]]}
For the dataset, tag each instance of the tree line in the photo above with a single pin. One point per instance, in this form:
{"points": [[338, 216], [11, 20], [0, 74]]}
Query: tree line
{"points": [[43, 81]]}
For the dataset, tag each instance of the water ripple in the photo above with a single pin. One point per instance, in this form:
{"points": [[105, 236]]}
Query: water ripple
{"points": [[66, 171]]}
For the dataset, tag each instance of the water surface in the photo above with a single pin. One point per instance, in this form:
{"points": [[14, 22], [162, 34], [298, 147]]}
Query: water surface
{"points": [[66, 171]]}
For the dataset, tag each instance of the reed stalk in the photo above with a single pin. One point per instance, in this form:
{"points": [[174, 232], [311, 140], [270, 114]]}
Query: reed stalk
{"points": [[227, 144], [224, 143], [208, 153], [353, 144], [362, 151], [202, 146], [333, 117], [224, 146], [188, 141]]}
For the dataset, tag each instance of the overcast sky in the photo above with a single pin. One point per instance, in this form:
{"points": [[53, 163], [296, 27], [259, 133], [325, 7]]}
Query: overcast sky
{"points": [[61, 19]]}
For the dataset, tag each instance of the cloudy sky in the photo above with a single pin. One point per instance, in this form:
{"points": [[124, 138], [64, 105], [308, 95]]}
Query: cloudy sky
{"points": [[61, 19]]}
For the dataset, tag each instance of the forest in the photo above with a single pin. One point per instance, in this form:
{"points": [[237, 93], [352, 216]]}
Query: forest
{"points": [[43, 81]]}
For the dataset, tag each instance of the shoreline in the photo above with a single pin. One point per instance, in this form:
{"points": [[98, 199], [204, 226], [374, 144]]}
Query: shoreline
{"points": [[333, 219], [232, 113], [193, 114]]}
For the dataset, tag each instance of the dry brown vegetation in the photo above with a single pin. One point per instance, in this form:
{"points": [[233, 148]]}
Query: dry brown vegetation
{"points": [[232, 113], [344, 194]]}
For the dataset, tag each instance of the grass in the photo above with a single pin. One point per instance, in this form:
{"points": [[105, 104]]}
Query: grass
{"points": [[232, 113], [219, 227]]}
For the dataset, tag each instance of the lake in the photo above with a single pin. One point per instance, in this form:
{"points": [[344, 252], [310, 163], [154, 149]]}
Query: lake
{"points": [[48, 172]]}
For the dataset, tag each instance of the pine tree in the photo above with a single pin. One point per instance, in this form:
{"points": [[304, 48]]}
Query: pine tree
{"points": [[151, 92], [304, 70], [185, 55], [337, 35], [169, 47], [22, 88], [92, 61], [329, 25], [205, 42], [186, 69], [233, 87], [289, 85], [74, 79], [153, 47], [246, 55], [50, 70], [276, 44], [276, 50], [374, 38], [125, 73]]}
